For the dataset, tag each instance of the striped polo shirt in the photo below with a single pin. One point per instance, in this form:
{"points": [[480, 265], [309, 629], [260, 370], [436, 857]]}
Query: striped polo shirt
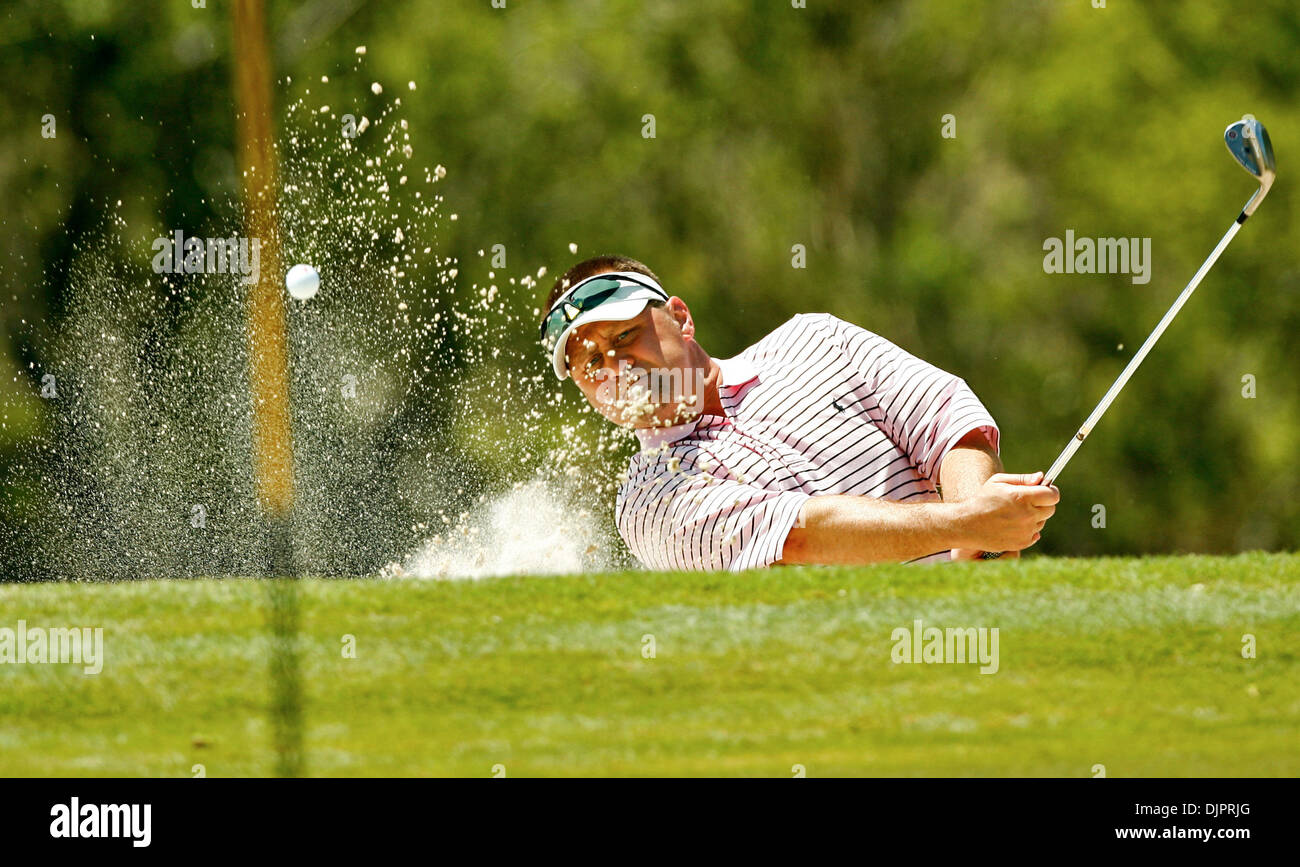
{"points": [[818, 406]]}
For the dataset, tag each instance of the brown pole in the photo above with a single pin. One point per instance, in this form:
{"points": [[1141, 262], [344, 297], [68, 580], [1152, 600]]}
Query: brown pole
{"points": [[268, 349], [269, 375]]}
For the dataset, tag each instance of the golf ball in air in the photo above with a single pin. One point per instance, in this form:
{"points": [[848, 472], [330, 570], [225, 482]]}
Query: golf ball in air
{"points": [[302, 281]]}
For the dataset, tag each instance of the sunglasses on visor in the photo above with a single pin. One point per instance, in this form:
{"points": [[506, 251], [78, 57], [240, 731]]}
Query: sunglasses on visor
{"points": [[588, 296]]}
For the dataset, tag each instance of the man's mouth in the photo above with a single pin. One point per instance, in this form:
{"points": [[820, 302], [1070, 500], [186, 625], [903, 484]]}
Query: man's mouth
{"points": [[635, 403]]}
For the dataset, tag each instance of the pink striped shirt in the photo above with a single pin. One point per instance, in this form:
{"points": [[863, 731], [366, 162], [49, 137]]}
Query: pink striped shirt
{"points": [[819, 406]]}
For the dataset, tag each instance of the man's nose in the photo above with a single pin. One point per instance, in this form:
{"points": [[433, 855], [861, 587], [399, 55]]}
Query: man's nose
{"points": [[619, 366]]}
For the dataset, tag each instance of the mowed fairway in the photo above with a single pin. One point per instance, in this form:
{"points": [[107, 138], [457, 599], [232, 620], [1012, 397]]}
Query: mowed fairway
{"points": [[1133, 664]]}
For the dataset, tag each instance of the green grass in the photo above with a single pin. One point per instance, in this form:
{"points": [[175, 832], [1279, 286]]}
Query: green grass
{"points": [[1134, 664]]}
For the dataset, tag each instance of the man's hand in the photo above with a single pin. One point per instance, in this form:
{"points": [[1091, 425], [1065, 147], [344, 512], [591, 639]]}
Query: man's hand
{"points": [[1006, 514], [963, 472]]}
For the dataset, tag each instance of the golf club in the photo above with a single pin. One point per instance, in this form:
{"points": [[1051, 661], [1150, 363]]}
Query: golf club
{"points": [[1248, 142]]}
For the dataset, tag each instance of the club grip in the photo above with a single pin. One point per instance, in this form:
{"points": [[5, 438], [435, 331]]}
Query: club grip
{"points": [[990, 555]]}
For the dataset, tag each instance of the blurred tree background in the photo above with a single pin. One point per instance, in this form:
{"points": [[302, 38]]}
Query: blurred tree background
{"points": [[774, 126]]}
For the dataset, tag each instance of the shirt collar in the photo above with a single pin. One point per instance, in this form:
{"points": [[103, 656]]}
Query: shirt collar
{"points": [[652, 438], [733, 373]]}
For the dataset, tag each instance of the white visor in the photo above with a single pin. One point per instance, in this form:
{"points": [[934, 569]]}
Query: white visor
{"points": [[626, 303]]}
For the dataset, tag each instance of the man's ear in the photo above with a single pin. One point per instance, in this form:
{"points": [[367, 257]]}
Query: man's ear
{"points": [[681, 314]]}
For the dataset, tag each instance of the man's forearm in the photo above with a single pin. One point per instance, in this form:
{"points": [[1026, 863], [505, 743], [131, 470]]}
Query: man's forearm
{"points": [[850, 529], [967, 467]]}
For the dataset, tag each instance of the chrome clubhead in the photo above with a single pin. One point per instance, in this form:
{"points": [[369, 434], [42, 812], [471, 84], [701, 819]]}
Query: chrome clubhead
{"points": [[1248, 142]]}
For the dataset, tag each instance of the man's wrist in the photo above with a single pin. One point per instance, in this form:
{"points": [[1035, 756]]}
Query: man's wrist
{"points": [[957, 528]]}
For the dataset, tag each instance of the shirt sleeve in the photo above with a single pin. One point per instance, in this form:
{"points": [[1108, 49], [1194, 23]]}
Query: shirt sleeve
{"points": [[923, 409], [673, 514]]}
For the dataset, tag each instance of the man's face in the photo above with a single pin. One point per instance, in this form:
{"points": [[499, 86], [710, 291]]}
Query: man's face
{"points": [[642, 372]]}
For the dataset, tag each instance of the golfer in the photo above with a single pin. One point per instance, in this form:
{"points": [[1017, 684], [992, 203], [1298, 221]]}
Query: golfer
{"points": [[821, 443]]}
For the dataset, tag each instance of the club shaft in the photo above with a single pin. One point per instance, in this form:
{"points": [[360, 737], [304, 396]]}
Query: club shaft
{"points": [[1077, 440]]}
